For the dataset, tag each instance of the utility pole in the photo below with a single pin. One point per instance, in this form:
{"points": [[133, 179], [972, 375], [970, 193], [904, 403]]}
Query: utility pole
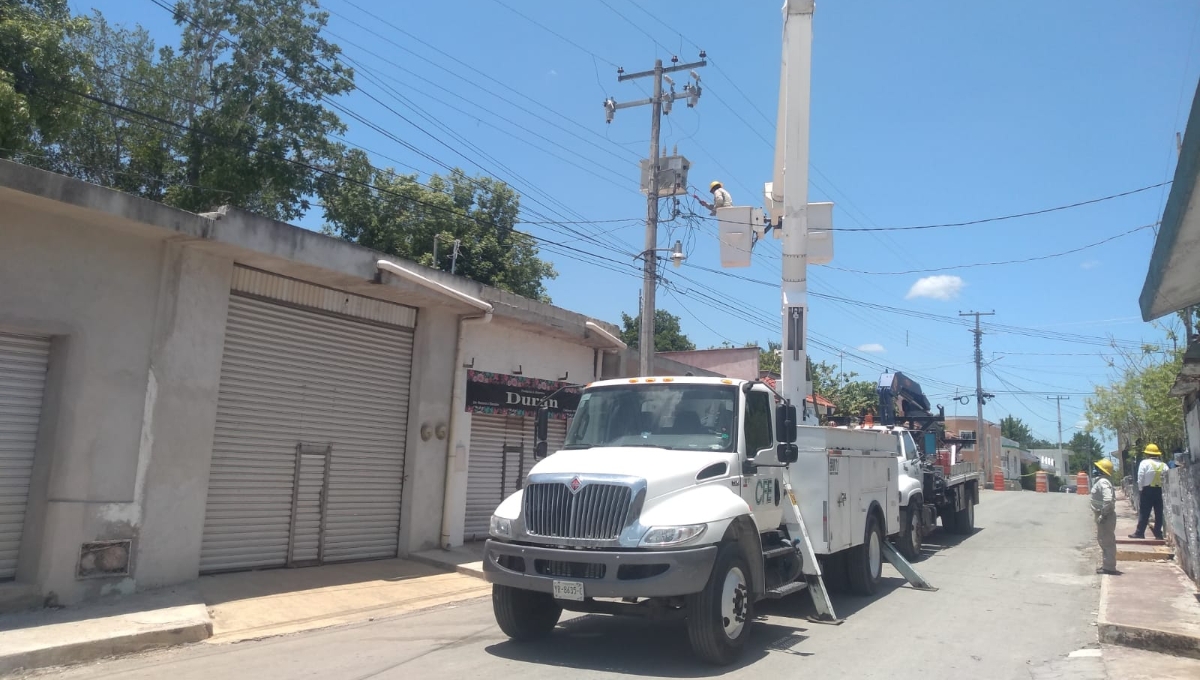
{"points": [[985, 453], [454, 256], [659, 104], [1058, 398]]}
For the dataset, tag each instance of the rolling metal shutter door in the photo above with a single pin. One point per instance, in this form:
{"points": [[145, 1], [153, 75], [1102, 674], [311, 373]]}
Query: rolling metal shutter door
{"points": [[491, 475], [294, 382], [23, 361]]}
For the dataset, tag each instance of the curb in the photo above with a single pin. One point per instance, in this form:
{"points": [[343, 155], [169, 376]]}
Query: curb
{"points": [[1144, 556], [92, 650], [1136, 637], [464, 569]]}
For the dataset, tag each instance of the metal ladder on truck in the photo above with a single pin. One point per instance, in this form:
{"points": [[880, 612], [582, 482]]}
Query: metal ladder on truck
{"points": [[811, 568]]}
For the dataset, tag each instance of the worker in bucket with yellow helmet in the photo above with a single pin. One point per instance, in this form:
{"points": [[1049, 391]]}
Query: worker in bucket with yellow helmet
{"points": [[1104, 507], [721, 197], [1150, 480]]}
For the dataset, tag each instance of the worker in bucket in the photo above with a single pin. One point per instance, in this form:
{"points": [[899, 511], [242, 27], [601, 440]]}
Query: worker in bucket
{"points": [[1150, 480], [721, 198], [1104, 507]]}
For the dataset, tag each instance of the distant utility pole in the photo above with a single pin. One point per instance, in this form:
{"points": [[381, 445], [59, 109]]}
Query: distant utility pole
{"points": [[659, 103], [980, 434], [1058, 398]]}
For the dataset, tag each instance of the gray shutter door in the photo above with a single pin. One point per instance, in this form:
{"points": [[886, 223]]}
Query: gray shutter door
{"points": [[485, 472], [23, 361], [500, 458], [294, 382]]}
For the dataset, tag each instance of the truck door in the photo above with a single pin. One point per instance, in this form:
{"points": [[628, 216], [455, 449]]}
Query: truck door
{"points": [[840, 511], [761, 487]]}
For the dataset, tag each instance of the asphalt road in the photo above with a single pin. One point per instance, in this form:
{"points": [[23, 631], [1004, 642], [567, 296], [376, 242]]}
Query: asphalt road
{"points": [[1019, 593]]}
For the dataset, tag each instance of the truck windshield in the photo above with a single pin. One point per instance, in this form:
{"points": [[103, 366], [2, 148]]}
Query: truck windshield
{"points": [[685, 417]]}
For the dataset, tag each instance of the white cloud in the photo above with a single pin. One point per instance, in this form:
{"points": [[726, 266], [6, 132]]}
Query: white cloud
{"points": [[1090, 264], [553, 72], [872, 347], [941, 287]]}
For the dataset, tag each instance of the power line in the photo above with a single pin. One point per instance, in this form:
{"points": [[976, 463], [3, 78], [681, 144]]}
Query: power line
{"points": [[1014, 216], [974, 265]]}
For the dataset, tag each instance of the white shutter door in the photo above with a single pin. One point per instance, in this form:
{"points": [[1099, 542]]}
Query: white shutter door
{"points": [[291, 377], [23, 361]]}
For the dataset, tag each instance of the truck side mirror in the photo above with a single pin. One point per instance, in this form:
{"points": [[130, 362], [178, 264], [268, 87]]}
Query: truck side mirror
{"points": [[539, 450], [541, 425], [788, 453], [785, 423]]}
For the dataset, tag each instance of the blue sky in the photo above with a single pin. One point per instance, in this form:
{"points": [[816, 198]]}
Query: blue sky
{"points": [[923, 112]]}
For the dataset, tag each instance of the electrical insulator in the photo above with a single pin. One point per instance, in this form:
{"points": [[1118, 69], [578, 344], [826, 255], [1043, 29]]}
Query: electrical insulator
{"points": [[610, 107]]}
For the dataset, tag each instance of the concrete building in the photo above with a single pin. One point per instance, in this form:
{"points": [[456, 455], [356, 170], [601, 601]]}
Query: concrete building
{"points": [[733, 362], [183, 393], [1172, 285], [1054, 461], [973, 449], [1011, 454]]}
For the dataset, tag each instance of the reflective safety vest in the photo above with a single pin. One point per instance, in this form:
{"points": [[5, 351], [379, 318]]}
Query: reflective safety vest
{"points": [[1159, 468]]}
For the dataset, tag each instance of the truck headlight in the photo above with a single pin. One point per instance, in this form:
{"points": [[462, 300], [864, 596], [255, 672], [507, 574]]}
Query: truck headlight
{"points": [[661, 536], [500, 527]]}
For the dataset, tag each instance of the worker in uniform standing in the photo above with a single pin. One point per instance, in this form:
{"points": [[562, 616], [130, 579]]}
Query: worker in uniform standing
{"points": [[1150, 480], [721, 198], [1104, 508]]}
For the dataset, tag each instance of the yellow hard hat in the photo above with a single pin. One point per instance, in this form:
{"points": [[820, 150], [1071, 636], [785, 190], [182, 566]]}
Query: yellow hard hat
{"points": [[713, 186], [1152, 450], [1105, 466]]}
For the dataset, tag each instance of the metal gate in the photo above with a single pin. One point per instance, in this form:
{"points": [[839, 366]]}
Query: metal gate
{"points": [[308, 452], [501, 455], [23, 361]]}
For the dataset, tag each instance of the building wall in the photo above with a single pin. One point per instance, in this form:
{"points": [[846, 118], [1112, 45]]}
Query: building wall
{"points": [[732, 362], [1181, 496], [497, 348], [96, 293], [973, 454]]}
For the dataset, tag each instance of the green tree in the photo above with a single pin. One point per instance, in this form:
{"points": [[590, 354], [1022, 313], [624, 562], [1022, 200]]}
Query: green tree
{"points": [[1015, 429], [1085, 450], [850, 397], [668, 333], [395, 214], [769, 359], [1137, 404], [257, 75], [39, 73]]}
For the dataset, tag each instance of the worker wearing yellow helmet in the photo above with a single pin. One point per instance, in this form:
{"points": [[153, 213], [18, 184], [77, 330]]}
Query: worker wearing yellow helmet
{"points": [[1150, 480], [721, 197], [1104, 508]]}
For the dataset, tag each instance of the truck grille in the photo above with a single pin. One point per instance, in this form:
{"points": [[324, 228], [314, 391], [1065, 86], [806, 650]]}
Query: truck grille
{"points": [[595, 512]]}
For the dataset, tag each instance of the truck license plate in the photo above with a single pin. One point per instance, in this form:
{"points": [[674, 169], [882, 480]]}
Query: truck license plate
{"points": [[568, 590]]}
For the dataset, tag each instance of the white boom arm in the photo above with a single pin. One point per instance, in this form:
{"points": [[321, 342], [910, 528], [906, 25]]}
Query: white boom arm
{"points": [[791, 176]]}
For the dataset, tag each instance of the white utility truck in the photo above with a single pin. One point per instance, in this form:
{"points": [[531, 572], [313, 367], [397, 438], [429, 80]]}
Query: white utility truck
{"points": [[672, 497]]}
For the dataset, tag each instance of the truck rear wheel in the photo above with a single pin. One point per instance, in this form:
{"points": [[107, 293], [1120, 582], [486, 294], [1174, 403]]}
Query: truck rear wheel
{"points": [[964, 520], [865, 563], [524, 614], [718, 618], [912, 531]]}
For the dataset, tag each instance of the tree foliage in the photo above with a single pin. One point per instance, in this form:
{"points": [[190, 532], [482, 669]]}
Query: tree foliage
{"points": [[395, 214], [769, 359], [1137, 407], [237, 113], [1085, 450], [39, 73], [668, 332], [850, 397]]}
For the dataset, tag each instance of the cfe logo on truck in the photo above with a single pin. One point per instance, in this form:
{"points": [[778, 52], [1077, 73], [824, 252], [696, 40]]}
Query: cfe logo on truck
{"points": [[764, 492]]}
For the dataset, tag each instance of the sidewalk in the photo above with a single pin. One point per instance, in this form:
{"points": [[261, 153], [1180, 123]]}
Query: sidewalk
{"points": [[228, 608], [1151, 605]]}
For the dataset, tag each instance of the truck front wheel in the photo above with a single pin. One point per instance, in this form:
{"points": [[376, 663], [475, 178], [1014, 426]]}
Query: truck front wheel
{"points": [[865, 563], [718, 617], [524, 614], [912, 531]]}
